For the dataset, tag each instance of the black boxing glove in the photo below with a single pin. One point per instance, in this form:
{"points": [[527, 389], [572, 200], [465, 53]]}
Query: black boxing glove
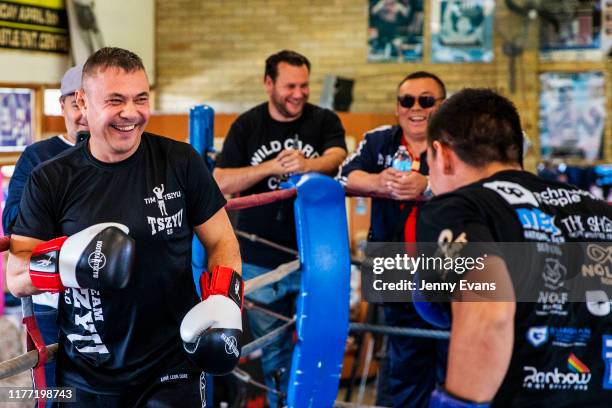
{"points": [[99, 257], [211, 331]]}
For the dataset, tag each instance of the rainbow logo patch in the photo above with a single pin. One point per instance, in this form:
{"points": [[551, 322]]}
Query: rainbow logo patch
{"points": [[576, 366]]}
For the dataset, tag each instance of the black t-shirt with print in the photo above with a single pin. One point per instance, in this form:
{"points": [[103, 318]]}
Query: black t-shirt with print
{"points": [[562, 353], [110, 340], [254, 138]]}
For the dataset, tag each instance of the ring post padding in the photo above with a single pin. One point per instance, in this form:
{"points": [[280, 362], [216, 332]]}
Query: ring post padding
{"points": [[201, 138], [323, 305]]}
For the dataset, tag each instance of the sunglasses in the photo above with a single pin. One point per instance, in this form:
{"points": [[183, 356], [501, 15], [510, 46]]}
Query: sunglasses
{"points": [[425, 101]]}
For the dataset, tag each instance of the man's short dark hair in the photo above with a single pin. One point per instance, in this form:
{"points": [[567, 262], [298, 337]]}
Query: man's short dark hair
{"points": [[424, 74], [112, 57], [480, 126], [287, 56]]}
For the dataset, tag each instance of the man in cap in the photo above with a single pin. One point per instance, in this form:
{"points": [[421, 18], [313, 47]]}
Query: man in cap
{"points": [[45, 304]]}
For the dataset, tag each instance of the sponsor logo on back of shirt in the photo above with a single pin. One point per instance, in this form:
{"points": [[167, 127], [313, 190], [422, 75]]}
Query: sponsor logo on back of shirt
{"points": [[539, 226], [560, 197], [513, 193], [576, 377], [551, 303], [554, 273], [594, 227], [558, 336], [598, 263], [597, 302]]}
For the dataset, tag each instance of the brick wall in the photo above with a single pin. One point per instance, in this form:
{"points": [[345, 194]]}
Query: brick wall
{"points": [[213, 51]]}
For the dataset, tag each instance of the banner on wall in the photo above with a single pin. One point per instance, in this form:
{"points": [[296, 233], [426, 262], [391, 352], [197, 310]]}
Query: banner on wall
{"points": [[16, 118], [577, 34], [395, 30], [572, 114], [462, 30], [34, 25]]}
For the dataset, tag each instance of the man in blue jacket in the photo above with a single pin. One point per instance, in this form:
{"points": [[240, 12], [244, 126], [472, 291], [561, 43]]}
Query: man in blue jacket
{"points": [[45, 304], [415, 365]]}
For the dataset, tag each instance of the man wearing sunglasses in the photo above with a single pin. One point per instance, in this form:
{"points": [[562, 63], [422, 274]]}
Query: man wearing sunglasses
{"points": [[415, 365]]}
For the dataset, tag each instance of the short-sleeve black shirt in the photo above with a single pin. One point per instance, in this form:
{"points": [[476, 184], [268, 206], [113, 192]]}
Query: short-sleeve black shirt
{"points": [[559, 357], [112, 339], [254, 138]]}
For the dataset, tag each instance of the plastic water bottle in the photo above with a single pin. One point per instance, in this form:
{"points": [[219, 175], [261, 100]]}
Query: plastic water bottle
{"points": [[402, 160]]}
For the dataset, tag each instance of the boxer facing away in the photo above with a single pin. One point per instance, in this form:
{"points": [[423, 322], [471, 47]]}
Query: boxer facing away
{"points": [[132, 329], [475, 148]]}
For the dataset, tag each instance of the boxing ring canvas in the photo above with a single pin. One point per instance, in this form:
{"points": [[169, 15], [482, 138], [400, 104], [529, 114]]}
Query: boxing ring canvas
{"points": [[462, 31], [572, 114], [16, 118]]}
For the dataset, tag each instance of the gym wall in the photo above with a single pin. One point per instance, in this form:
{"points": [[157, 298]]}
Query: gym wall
{"points": [[213, 52]]}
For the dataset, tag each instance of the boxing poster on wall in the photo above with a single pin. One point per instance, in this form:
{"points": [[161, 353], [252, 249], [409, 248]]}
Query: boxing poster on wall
{"points": [[395, 30], [571, 31], [462, 30], [572, 114], [16, 115]]}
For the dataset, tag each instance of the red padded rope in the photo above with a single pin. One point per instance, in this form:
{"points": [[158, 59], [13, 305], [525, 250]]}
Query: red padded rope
{"points": [[255, 200]]}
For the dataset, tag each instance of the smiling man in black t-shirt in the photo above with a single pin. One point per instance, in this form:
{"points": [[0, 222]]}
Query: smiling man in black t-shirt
{"points": [[284, 135], [544, 349], [122, 347]]}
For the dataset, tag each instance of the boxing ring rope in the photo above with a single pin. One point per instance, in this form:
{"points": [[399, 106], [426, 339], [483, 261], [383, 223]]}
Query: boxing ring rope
{"points": [[272, 276], [257, 238], [255, 200], [25, 362], [400, 331]]}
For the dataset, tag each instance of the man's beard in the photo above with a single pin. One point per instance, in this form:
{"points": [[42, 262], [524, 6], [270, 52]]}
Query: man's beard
{"points": [[280, 107]]}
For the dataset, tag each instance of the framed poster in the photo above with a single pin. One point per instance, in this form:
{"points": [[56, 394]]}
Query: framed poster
{"points": [[462, 30], [16, 118], [572, 114], [572, 32], [395, 30]]}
